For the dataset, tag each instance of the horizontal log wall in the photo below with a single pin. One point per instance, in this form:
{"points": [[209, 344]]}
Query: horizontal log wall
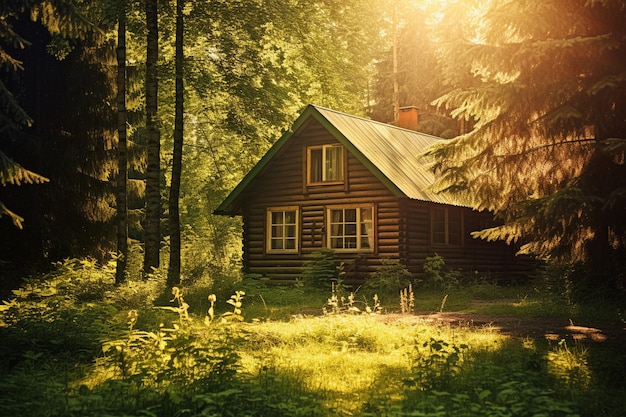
{"points": [[283, 184], [475, 257], [403, 225]]}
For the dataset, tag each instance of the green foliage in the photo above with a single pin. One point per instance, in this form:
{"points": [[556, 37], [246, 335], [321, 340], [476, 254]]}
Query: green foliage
{"points": [[59, 18], [340, 304], [236, 301], [58, 314], [320, 270], [174, 356], [450, 379], [570, 366], [82, 356], [438, 275], [434, 369], [389, 278], [540, 151]]}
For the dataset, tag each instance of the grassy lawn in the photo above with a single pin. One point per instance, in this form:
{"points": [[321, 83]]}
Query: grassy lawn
{"points": [[108, 351]]}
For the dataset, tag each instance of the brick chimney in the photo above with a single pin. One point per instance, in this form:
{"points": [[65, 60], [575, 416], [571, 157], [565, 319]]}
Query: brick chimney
{"points": [[408, 117]]}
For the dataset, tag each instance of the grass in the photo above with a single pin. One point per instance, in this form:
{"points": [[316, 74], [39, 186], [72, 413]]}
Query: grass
{"points": [[69, 355], [347, 359]]}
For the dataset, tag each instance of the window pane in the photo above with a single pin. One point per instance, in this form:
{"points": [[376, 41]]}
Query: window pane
{"points": [[367, 225], [315, 165], [439, 214], [277, 231], [283, 231], [336, 229], [277, 217], [439, 232], [351, 228], [336, 216], [334, 163], [366, 214], [350, 215]]}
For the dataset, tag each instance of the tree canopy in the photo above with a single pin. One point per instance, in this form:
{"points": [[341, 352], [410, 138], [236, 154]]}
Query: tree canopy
{"points": [[536, 88], [545, 82]]}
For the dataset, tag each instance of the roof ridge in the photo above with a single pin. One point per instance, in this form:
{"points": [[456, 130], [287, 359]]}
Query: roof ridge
{"points": [[364, 119]]}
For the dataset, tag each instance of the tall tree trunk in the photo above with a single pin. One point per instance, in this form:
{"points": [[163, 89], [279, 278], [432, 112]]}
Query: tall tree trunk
{"points": [[152, 235], [173, 273], [122, 150], [394, 49]]}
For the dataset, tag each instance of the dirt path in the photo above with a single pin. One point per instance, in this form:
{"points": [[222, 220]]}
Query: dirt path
{"points": [[534, 327]]}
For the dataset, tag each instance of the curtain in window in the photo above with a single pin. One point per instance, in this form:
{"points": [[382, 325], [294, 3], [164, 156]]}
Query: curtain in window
{"points": [[351, 228], [315, 165], [367, 228], [334, 163]]}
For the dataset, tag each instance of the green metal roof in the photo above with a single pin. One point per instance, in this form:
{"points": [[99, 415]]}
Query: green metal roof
{"points": [[391, 153]]}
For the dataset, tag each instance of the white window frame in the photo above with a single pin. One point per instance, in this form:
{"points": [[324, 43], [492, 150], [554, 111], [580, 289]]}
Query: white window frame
{"points": [[447, 226], [359, 223], [324, 164], [269, 236]]}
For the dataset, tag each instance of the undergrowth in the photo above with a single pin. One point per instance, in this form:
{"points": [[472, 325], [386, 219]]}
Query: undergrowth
{"points": [[74, 344]]}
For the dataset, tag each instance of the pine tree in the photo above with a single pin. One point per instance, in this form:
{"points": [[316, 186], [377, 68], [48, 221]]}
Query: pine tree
{"points": [[545, 81], [59, 17], [417, 74]]}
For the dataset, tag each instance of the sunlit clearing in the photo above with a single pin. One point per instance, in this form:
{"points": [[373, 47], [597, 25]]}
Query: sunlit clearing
{"points": [[343, 357]]}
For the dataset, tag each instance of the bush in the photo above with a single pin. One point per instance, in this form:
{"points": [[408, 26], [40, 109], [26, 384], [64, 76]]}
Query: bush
{"points": [[391, 277], [438, 275], [321, 269]]}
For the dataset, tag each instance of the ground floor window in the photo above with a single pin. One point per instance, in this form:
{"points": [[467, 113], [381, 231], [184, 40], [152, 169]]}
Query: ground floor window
{"points": [[282, 229], [446, 225], [350, 228]]}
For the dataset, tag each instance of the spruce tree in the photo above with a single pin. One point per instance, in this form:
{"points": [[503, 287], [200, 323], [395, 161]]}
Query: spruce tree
{"points": [[60, 18], [545, 81]]}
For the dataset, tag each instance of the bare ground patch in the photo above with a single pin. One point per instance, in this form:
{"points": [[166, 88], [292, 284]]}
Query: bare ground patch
{"points": [[533, 327]]}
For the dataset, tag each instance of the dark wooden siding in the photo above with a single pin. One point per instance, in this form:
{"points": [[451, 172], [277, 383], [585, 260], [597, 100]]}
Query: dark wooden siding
{"points": [[473, 257], [402, 225], [283, 184]]}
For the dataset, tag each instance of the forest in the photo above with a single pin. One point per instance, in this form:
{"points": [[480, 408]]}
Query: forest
{"points": [[125, 123]]}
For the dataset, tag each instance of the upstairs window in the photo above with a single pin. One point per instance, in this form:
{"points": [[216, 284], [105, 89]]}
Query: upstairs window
{"points": [[282, 230], [325, 164], [351, 228], [446, 225]]}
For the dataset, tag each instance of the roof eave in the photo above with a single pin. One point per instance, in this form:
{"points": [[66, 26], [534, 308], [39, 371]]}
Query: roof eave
{"points": [[229, 207], [391, 186]]}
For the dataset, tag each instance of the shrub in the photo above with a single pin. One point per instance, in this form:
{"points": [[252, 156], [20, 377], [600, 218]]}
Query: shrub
{"points": [[391, 277], [438, 275], [321, 269]]}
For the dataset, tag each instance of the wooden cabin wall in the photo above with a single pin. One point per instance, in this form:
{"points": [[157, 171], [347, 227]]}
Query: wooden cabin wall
{"points": [[474, 258], [403, 229], [283, 185]]}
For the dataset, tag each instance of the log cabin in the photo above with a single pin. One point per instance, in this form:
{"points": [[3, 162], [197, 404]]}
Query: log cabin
{"points": [[359, 188]]}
